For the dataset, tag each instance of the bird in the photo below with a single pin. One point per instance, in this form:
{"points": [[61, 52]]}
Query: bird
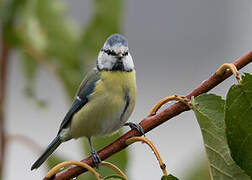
{"points": [[104, 100]]}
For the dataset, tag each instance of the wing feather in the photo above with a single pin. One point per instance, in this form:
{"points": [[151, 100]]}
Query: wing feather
{"points": [[85, 89]]}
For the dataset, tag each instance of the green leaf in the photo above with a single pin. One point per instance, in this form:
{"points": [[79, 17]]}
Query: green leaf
{"points": [[209, 110], [120, 159], [169, 177], [53, 160], [114, 177], [238, 118]]}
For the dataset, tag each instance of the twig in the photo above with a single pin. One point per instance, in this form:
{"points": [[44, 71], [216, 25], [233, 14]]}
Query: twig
{"points": [[5, 49], [154, 149], [223, 68], [167, 99], [52, 172], [150, 123], [115, 168]]}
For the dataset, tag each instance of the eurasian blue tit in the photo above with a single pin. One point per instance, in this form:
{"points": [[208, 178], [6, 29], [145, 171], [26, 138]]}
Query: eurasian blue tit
{"points": [[104, 100]]}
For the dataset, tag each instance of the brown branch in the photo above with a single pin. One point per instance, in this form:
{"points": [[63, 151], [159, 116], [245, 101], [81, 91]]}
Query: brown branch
{"points": [[150, 123], [5, 49]]}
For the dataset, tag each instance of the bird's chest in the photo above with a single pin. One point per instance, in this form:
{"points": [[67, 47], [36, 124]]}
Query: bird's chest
{"points": [[116, 85], [117, 92], [109, 106]]}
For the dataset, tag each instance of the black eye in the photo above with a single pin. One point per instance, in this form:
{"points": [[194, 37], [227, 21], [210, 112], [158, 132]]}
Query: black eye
{"points": [[125, 54]]}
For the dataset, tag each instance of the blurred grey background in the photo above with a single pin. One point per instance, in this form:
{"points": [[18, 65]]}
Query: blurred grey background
{"points": [[176, 44]]}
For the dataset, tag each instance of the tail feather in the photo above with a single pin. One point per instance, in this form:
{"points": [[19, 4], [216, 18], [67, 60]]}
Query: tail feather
{"points": [[49, 150]]}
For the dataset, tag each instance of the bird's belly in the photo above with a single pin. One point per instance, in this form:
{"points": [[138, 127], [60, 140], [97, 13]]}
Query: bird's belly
{"points": [[99, 118]]}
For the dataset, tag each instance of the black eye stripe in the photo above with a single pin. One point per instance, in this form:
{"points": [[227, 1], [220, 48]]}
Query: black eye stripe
{"points": [[109, 52], [113, 53]]}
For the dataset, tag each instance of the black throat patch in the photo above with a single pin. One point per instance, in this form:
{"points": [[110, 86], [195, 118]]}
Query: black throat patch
{"points": [[118, 66]]}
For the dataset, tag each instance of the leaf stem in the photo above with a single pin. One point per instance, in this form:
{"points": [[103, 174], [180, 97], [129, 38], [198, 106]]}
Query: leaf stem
{"points": [[229, 66], [150, 123], [115, 168], [53, 171], [168, 99], [154, 149]]}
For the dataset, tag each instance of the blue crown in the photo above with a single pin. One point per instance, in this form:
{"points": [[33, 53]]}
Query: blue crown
{"points": [[117, 39]]}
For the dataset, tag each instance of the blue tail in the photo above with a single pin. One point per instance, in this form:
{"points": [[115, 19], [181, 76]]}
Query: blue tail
{"points": [[49, 150]]}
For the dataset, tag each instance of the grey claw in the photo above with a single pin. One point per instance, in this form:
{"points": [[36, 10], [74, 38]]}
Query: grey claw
{"points": [[135, 126], [96, 159], [153, 114]]}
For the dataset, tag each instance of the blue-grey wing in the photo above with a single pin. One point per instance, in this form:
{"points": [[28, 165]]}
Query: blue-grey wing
{"points": [[86, 88]]}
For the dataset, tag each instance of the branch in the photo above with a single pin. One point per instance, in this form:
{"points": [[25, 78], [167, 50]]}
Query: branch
{"points": [[5, 49], [150, 123]]}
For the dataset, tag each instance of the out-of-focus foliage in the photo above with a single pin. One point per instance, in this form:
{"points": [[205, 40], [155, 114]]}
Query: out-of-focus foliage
{"points": [[238, 118], [209, 110], [30, 68], [44, 36]]}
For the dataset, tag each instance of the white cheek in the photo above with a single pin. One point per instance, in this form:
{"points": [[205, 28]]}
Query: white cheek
{"points": [[105, 61], [128, 63]]}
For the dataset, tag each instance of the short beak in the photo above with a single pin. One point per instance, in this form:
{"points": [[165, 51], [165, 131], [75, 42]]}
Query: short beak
{"points": [[120, 55]]}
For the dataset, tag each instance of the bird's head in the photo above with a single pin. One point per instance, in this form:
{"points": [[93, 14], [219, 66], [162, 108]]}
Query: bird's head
{"points": [[115, 56]]}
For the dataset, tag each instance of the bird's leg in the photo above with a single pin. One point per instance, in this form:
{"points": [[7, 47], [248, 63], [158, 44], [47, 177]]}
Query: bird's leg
{"points": [[135, 126], [96, 158]]}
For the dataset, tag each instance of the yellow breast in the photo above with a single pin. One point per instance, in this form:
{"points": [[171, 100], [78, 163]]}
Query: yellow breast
{"points": [[118, 81], [101, 115]]}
